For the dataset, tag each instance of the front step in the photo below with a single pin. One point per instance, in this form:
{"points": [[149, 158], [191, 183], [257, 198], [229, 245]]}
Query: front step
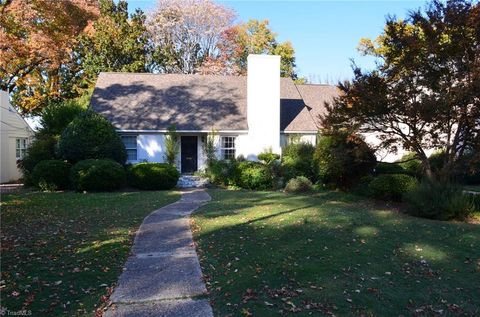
{"points": [[192, 181]]}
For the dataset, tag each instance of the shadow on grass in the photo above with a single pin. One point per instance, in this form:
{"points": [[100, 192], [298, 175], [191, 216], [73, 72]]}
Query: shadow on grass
{"points": [[333, 254]]}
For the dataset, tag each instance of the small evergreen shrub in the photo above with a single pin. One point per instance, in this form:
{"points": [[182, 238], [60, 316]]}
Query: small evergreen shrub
{"points": [[153, 176], [51, 175], [298, 184], [297, 160], [97, 175], [91, 136], [223, 172], [362, 187], [342, 158], [437, 200], [388, 168], [254, 175], [391, 186]]}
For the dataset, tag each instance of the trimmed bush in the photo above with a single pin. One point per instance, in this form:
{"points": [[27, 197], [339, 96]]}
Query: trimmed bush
{"points": [[51, 175], [392, 186], [254, 175], [362, 186], [41, 149], [298, 184], [153, 176], [442, 201], [297, 160], [91, 136], [342, 158], [97, 175], [223, 172], [388, 168]]}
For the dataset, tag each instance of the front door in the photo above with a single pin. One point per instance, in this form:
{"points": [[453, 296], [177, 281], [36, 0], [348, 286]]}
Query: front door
{"points": [[189, 154]]}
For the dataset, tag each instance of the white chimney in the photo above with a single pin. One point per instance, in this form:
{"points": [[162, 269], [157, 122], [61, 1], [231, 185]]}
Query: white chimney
{"points": [[263, 103]]}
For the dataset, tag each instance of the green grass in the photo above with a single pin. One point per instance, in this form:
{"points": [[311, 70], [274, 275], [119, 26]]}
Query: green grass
{"points": [[268, 254], [63, 252]]}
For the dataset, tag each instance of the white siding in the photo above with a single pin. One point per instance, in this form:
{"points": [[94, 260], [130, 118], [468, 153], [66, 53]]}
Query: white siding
{"points": [[12, 127]]}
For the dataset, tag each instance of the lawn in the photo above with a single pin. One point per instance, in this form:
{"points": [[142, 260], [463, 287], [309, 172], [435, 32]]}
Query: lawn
{"points": [[268, 254], [63, 252]]}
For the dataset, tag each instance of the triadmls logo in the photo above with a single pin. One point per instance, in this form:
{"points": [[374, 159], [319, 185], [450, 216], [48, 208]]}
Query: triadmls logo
{"points": [[5, 312]]}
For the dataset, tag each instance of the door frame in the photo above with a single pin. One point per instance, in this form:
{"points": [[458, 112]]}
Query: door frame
{"points": [[195, 167]]}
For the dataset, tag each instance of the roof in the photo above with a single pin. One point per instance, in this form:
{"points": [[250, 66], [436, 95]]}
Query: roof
{"points": [[316, 96], [143, 101]]}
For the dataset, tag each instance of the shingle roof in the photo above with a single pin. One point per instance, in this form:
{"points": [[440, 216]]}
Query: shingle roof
{"points": [[315, 96], [133, 101]]}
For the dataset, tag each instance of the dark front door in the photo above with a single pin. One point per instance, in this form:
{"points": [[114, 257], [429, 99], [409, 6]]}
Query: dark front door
{"points": [[189, 154]]}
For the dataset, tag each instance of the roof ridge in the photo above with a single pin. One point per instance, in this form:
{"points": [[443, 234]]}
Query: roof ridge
{"points": [[172, 74]]}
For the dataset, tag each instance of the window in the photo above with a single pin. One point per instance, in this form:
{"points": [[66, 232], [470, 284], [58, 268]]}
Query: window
{"points": [[130, 142], [21, 148], [228, 147]]}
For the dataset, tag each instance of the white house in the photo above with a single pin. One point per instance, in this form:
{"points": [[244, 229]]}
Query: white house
{"points": [[15, 136], [249, 113]]}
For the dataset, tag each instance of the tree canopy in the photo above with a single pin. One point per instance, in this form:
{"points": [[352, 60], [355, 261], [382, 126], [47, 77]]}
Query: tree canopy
{"points": [[424, 92], [52, 51]]}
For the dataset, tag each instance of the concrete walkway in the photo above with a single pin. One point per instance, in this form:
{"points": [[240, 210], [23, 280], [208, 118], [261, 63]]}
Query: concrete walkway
{"points": [[163, 276]]}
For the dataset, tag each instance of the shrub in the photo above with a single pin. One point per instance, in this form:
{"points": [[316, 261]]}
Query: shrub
{"points": [[391, 186], [223, 172], [268, 157], [172, 145], [91, 136], [254, 175], [56, 116], [97, 175], [41, 149], [342, 158], [297, 160], [298, 184], [51, 175], [437, 200], [362, 187], [153, 176], [411, 164], [388, 168]]}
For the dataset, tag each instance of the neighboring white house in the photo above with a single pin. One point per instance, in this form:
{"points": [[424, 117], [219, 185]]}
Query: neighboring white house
{"points": [[249, 113], [15, 136]]}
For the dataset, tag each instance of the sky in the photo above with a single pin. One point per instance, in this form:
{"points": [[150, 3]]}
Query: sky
{"points": [[324, 34]]}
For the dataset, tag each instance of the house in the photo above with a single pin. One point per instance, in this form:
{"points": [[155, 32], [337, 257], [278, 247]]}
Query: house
{"points": [[15, 136], [250, 114]]}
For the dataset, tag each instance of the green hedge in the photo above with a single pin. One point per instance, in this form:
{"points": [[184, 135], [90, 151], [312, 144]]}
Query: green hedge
{"points": [[91, 136], [341, 159], [97, 175], [51, 175], [254, 175], [389, 168], [153, 176], [223, 172], [297, 160], [392, 186]]}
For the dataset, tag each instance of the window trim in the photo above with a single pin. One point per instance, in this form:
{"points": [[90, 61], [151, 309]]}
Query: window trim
{"points": [[223, 148], [131, 148], [21, 145]]}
